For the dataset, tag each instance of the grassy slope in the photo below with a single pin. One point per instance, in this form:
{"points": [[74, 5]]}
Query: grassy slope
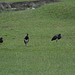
{"points": [[41, 57]]}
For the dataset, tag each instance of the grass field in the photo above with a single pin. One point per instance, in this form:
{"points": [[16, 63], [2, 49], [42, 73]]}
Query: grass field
{"points": [[42, 56]]}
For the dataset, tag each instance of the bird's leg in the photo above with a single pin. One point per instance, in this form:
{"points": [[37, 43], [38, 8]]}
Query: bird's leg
{"points": [[56, 40], [0, 43], [26, 45]]}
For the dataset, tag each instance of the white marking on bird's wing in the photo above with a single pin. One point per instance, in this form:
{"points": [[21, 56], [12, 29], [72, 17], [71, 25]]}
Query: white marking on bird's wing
{"points": [[26, 40]]}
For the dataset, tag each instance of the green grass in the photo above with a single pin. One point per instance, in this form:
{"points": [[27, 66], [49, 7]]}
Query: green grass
{"points": [[41, 57]]}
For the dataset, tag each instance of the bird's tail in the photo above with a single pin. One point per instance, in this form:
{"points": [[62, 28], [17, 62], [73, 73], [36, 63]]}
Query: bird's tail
{"points": [[51, 39]]}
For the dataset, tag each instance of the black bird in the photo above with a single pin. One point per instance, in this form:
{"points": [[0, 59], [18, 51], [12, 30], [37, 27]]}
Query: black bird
{"points": [[56, 37], [26, 39], [1, 40]]}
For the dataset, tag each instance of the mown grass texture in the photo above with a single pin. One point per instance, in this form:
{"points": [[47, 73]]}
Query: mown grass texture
{"points": [[41, 57]]}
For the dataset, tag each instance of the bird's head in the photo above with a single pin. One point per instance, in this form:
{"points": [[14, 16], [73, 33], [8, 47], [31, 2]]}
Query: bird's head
{"points": [[59, 35], [1, 38], [27, 34]]}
